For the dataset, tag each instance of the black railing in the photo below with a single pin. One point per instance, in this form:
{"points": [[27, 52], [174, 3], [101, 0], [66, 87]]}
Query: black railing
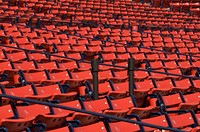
{"points": [[124, 67], [89, 112]]}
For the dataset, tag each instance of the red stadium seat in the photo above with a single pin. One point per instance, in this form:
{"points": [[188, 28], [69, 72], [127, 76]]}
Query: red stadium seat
{"points": [[128, 103], [13, 124], [55, 92], [98, 126], [43, 115]]}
